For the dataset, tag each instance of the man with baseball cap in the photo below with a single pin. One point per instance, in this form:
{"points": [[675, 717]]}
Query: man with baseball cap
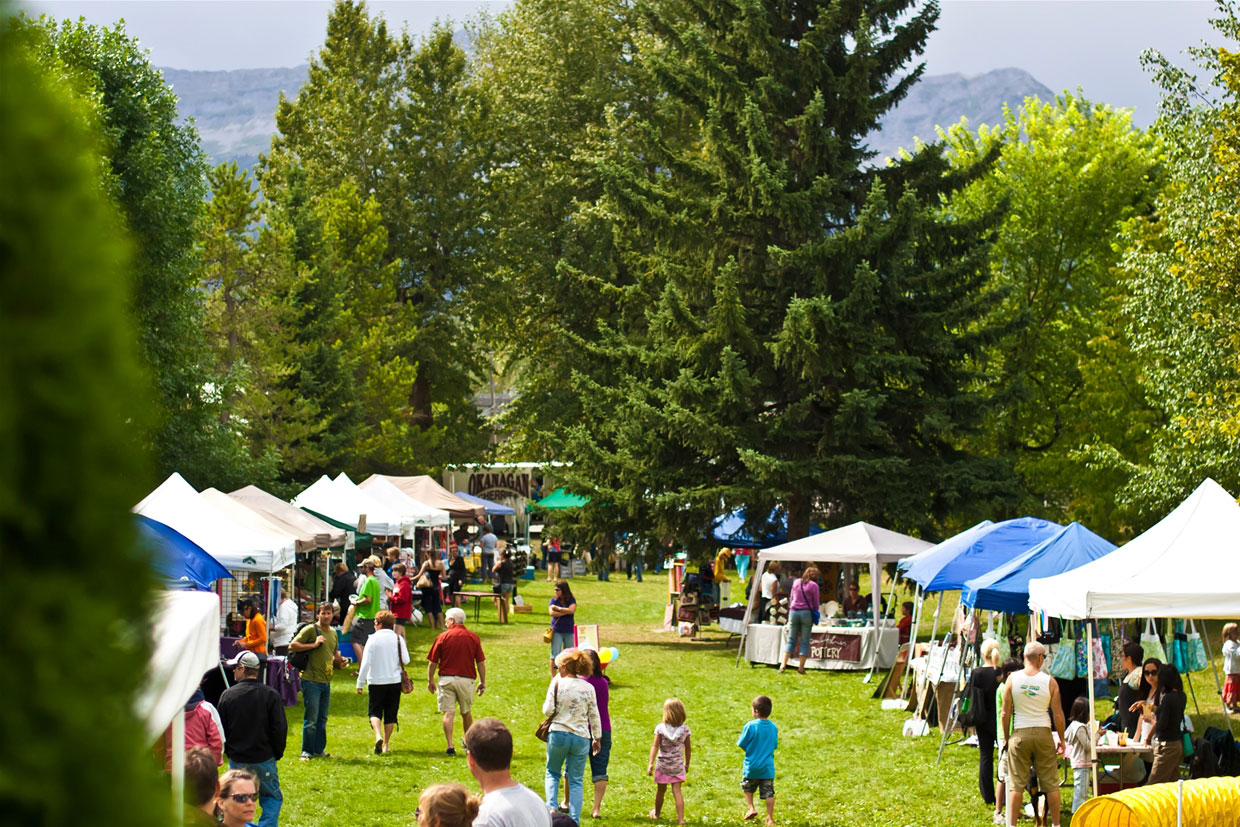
{"points": [[255, 731], [1031, 704]]}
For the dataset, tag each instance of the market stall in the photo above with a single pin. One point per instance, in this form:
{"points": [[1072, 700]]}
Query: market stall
{"points": [[424, 489], [344, 502], [860, 544], [413, 513], [325, 534]]}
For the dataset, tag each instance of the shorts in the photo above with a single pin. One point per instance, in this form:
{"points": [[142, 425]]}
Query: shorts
{"points": [[506, 588], [454, 691], [598, 763], [765, 787], [555, 557], [384, 702], [362, 629], [1032, 747]]}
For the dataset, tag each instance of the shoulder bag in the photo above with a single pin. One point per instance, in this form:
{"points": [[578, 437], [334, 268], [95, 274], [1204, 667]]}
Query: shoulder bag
{"points": [[544, 729], [299, 660]]}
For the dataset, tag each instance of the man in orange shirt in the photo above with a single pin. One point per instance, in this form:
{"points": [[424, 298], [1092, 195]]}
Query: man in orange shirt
{"points": [[255, 629]]}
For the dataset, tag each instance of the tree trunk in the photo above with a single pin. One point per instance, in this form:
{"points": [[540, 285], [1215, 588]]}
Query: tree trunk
{"points": [[420, 400]]}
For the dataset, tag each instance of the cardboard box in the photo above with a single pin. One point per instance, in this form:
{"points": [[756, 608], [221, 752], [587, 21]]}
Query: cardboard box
{"points": [[523, 610]]}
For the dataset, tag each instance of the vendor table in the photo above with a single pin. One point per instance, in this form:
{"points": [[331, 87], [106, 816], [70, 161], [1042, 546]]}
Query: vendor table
{"points": [[1109, 780], [477, 596], [831, 647]]}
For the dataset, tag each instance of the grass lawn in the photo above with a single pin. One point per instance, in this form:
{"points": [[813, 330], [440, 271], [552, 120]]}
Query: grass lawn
{"points": [[841, 761]]}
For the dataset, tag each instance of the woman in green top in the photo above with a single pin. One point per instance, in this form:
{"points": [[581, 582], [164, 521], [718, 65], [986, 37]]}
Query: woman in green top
{"points": [[1009, 666]]}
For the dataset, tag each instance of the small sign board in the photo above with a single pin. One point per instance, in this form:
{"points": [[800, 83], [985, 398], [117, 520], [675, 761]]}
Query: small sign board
{"points": [[831, 646]]}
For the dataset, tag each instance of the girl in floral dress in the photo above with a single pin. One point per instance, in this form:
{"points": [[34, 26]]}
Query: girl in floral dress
{"points": [[669, 757]]}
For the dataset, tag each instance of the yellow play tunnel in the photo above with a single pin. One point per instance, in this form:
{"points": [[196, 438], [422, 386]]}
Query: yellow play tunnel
{"points": [[1208, 802]]}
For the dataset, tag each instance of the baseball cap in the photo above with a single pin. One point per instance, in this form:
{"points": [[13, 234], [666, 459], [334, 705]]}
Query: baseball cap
{"points": [[247, 659]]}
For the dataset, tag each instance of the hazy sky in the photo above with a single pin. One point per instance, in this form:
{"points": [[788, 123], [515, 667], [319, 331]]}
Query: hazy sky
{"points": [[1065, 44]]}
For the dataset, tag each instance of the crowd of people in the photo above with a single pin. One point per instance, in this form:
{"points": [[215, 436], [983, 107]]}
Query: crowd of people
{"points": [[1024, 716]]}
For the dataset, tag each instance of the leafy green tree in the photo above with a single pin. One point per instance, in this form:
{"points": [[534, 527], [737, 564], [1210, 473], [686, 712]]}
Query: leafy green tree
{"points": [[155, 172], [395, 120], [549, 70], [1070, 174], [1182, 302], [71, 395], [794, 325]]}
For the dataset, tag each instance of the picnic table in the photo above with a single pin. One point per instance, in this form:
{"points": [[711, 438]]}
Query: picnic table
{"points": [[477, 596]]}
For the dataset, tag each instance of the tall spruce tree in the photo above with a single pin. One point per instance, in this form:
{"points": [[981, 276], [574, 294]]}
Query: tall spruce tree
{"points": [[796, 322]]}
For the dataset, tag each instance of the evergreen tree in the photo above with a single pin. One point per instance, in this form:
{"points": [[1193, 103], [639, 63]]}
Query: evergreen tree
{"points": [[71, 396], [795, 325]]}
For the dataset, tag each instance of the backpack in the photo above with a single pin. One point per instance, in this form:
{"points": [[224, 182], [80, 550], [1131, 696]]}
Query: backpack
{"points": [[299, 660], [1223, 744]]}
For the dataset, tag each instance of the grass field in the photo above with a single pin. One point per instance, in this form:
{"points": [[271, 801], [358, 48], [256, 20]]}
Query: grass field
{"points": [[841, 761]]}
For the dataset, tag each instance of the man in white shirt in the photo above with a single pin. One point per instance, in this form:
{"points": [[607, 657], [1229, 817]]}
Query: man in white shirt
{"points": [[1030, 706], [285, 625], [505, 803]]}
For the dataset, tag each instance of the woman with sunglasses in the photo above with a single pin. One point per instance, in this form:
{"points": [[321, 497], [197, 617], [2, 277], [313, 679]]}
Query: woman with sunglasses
{"points": [[1147, 692], [238, 799]]}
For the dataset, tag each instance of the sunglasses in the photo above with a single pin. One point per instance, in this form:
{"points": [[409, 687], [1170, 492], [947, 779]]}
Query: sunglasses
{"points": [[1150, 671], [244, 798]]}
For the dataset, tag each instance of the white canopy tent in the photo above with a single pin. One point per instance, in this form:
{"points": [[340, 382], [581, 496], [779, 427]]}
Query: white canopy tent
{"points": [[346, 503], [1172, 570], [244, 515], [185, 631], [859, 543], [325, 534], [413, 514], [237, 547]]}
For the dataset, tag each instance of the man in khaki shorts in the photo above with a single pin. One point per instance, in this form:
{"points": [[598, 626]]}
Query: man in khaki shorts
{"points": [[1030, 705], [456, 653]]}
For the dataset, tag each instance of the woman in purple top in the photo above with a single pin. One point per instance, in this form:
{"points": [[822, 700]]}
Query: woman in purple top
{"points": [[563, 611], [598, 760], [802, 608]]}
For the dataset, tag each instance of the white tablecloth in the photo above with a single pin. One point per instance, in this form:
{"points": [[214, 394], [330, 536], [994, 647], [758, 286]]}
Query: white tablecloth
{"points": [[765, 643]]}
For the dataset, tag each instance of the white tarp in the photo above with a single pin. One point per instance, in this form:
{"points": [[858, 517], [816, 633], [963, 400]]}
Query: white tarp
{"points": [[344, 502], [413, 514], [1176, 569], [175, 503], [185, 627]]}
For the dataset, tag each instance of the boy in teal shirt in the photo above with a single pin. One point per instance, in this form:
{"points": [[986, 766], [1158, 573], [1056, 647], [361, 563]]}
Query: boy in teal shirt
{"points": [[759, 739]]}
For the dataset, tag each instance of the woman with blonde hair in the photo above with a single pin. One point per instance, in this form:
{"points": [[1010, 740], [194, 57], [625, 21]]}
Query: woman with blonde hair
{"points": [[575, 728], [986, 679], [237, 801], [447, 805], [802, 615], [382, 663]]}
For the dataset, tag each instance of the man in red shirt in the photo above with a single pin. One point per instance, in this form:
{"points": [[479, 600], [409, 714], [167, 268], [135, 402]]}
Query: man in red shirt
{"points": [[456, 653]]}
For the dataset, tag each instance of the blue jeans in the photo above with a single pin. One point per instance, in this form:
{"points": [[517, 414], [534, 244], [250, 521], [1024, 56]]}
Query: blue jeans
{"points": [[568, 752], [317, 698], [800, 624], [270, 799]]}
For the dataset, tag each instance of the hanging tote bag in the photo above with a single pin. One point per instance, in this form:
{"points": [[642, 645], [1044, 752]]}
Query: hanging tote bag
{"points": [[1063, 665], [1101, 669], [1150, 642], [1082, 655], [1179, 648], [1197, 659]]}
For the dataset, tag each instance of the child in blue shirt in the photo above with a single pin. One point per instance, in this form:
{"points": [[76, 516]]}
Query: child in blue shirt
{"points": [[759, 739]]}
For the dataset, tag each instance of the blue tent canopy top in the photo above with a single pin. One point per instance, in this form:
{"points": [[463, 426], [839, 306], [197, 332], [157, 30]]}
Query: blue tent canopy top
{"points": [[491, 507], [178, 558], [1006, 588], [975, 552]]}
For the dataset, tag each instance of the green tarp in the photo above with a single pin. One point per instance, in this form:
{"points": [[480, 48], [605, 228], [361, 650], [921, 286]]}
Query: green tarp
{"points": [[361, 539], [559, 499]]}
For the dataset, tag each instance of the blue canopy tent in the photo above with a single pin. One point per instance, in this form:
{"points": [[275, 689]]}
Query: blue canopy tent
{"points": [[491, 507], [975, 552], [177, 558], [1006, 588]]}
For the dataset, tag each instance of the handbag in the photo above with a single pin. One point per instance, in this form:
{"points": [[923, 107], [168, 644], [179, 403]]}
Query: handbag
{"points": [[424, 582], [544, 729], [1063, 664], [1151, 644], [547, 635], [1197, 659], [406, 683]]}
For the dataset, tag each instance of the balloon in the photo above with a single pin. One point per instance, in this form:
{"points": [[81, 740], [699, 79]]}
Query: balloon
{"points": [[615, 653], [604, 656]]}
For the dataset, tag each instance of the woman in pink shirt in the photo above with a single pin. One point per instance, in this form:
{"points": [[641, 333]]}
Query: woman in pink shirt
{"points": [[802, 612]]}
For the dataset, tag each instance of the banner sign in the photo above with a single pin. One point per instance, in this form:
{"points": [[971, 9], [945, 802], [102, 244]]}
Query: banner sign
{"points": [[482, 485], [830, 646]]}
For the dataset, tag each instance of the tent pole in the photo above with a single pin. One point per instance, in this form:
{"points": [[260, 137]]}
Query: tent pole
{"points": [[934, 632], [1093, 736], [876, 575], [178, 767], [1205, 636], [919, 600], [753, 595]]}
